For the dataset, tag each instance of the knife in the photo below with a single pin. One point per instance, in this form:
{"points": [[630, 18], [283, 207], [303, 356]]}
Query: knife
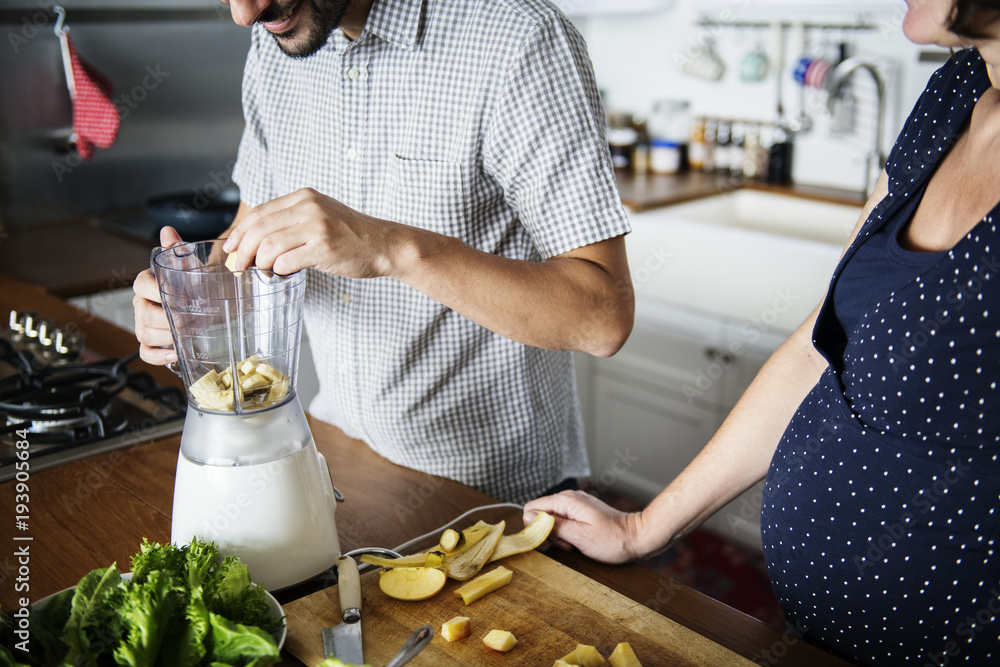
{"points": [[344, 639]]}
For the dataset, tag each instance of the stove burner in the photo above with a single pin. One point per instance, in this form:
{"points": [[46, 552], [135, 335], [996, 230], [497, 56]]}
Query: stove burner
{"points": [[62, 403], [75, 406]]}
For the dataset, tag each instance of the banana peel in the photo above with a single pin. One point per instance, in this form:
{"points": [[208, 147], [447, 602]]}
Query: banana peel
{"points": [[467, 564], [530, 538], [470, 537]]}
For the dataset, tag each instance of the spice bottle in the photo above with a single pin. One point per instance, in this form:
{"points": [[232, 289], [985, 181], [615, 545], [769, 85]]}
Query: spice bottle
{"points": [[723, 139], [696, 150], [708, 162], [737, 149], [754, 154]]}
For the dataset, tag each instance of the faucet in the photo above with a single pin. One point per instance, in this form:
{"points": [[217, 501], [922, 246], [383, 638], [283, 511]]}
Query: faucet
{"points": [[835, 81]]}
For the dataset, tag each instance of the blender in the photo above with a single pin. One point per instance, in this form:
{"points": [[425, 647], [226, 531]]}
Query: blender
{"points": [[249, 476]]}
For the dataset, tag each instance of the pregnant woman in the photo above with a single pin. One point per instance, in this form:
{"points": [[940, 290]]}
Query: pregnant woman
{"points": [[877, 424]]}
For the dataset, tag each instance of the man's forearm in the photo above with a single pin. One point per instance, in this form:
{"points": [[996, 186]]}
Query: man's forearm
{"points": [[582, 300]]}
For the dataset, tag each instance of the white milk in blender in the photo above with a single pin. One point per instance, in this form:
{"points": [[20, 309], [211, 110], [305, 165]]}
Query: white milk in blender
{"points": [[267, 514]]}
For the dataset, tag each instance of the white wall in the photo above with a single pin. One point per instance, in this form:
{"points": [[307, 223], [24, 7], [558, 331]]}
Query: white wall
{"points": [[635, 58]]}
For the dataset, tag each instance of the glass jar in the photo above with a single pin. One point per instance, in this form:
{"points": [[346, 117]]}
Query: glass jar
{"points": [[664, 156]]}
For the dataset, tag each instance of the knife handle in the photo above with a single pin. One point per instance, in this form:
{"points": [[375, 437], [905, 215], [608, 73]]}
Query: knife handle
{"points": [[349, 586]]}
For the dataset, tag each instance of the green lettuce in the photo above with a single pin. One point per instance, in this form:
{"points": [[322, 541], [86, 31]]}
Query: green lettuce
{"points": [[94, 625], [240, 645], [150, 612], [183, 607]]}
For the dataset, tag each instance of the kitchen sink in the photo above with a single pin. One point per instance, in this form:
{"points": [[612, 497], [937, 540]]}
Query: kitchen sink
{"points": [[784, 215], [749, 256]]}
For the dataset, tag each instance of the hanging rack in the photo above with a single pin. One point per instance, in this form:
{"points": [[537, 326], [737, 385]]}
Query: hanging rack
{"points": [[62, 32]]}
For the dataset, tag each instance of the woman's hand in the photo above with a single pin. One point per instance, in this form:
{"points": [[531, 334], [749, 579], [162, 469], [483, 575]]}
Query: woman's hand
{"points": [[306, 229], [597, 530], [151, 327]]}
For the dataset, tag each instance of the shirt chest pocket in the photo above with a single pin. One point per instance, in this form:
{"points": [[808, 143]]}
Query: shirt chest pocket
{"points": [[429, 194]]}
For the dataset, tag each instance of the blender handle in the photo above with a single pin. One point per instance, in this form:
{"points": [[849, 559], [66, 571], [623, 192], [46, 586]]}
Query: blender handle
{"points": [[175, 369]]}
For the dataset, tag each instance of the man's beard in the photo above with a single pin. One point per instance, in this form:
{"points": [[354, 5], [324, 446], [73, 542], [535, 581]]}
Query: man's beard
{"points": [[314, 29]]}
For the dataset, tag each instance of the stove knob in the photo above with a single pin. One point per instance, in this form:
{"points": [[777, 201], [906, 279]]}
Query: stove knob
{"points": [[67, 345], [17, 322], [29, 323], [45, 331], [59, 344]]}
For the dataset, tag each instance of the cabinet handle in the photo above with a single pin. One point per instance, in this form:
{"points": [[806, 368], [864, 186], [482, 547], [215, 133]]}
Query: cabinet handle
{"points": [[715, 354]]}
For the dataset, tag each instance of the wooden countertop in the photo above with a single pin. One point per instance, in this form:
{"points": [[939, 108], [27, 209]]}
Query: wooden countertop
{"points": [[642, 192], [73, 257], [90, 513]]}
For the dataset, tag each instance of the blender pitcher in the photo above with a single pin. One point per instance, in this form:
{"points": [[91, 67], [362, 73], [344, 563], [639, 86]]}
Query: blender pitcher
{"points": [[249, 476]]}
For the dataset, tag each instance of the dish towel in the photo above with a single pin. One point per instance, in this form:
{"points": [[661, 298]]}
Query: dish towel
{"points": [[95, 116]]}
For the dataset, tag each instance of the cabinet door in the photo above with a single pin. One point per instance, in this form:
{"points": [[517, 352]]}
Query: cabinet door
{"points": [[679, 351], [749, 348], [642, 436]]}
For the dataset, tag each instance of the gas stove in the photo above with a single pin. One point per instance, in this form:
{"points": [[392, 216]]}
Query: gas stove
{"points": [[72, 403]]}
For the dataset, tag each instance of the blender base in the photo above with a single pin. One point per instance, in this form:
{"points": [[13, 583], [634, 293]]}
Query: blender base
{"points": [[277, 516]]}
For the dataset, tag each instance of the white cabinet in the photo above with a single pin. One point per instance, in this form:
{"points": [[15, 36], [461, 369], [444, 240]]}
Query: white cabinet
{"points": [[652, 407], [714, 298], [648, 417]]}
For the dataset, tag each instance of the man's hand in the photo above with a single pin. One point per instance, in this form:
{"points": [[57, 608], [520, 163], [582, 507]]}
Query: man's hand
{"points": [[151, 326], [306, 229], [582, 521]]}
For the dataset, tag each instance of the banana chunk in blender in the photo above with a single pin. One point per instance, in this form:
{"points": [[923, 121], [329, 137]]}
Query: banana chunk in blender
{"points": [[260, 383]]}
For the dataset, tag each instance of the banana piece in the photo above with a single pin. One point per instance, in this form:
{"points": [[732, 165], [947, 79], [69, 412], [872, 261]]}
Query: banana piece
{"points": [[261, 384]]}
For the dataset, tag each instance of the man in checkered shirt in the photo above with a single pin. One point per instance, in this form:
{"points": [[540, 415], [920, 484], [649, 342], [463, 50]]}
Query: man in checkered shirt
{"points": [[439, 168]]}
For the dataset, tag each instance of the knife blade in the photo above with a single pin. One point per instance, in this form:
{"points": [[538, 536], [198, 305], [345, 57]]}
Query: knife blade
{"points": [[344, 639]]}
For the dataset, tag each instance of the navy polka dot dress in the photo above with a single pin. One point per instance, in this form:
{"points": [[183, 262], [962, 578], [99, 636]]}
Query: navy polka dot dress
{"points": [[881, 511]]}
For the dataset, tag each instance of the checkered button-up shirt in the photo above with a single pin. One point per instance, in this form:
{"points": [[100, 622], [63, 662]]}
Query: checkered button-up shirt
{"points": [[477, 119]]}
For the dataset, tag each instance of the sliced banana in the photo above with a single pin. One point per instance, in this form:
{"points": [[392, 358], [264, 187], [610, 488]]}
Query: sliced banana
{"points": [[261, 385]]}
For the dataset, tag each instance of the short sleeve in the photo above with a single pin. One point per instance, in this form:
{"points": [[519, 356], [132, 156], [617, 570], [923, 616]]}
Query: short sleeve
{"points": [[252, 172], [545, 143], [937, 118]]}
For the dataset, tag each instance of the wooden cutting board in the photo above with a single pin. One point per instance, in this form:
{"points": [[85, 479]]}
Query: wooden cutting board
{"points": [[549, 608]]}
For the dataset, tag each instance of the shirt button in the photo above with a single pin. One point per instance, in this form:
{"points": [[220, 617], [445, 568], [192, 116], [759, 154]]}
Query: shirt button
{"points": [[353, 73], [345, 297], [345, 367], [354, 424], [352, 153]]}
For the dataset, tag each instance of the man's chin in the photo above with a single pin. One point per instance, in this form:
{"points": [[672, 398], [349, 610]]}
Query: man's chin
{"points": [[312, 28], [301, 42], [296, 46]]}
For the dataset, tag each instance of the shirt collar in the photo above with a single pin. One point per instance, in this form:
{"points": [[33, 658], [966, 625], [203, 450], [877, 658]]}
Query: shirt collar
{"points": [[396, 21]]}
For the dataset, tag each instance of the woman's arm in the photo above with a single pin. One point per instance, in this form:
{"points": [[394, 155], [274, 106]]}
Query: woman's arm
{"points": [[734, 459]]}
